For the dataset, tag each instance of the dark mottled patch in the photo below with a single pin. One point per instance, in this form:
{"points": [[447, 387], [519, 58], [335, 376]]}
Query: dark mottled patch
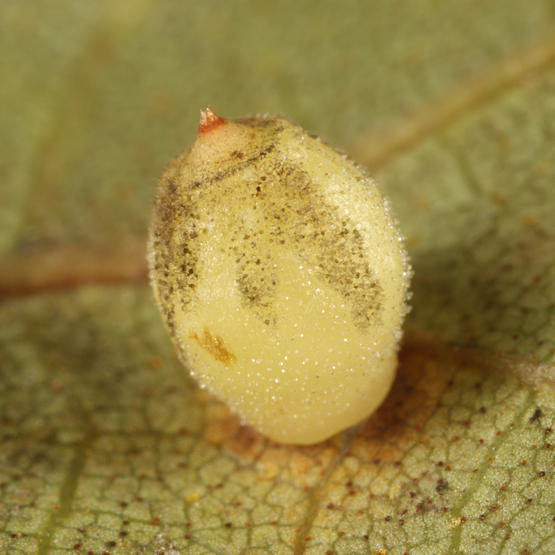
{"points": [[234, 169], [175, 258], [294, 214], [257, 281], [441, 485], [536, 415], [331, 244], [285, 208]]}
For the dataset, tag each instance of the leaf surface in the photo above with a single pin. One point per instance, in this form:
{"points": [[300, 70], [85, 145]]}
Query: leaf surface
{"points": [[108, 446]]}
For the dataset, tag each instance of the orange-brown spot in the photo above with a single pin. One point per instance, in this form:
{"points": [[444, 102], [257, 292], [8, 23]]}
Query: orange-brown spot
{"points": [[214, 345], [209, 120]]}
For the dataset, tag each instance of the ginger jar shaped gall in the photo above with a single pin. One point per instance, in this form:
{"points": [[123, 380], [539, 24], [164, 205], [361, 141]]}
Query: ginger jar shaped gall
{"points": [[281, 276]]}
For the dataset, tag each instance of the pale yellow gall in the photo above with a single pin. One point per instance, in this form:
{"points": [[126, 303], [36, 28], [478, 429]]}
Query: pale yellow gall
{"points": [[281, 276]]}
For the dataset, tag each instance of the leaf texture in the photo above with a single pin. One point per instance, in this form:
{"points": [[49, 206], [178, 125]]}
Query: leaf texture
{"points": [[107, 446]]}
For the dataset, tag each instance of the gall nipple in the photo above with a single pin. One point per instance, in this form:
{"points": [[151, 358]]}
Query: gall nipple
{"points": [[209, 120]]}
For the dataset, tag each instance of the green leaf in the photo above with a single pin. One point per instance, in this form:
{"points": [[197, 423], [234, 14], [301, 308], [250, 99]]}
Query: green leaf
{"points": [[108, 446]]}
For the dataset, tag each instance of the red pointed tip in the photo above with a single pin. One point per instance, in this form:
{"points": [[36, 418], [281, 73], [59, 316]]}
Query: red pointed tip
{"points": [[209, 120]]}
